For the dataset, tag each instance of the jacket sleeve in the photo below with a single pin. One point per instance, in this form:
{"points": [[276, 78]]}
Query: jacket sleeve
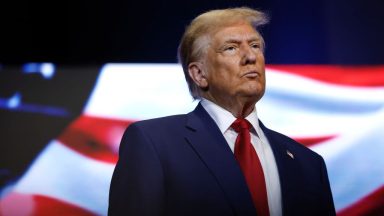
{"points": [[137, 186]]}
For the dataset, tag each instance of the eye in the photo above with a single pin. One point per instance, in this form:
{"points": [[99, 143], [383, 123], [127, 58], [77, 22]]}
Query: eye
{"points": [[255, 45], [230, 49]]}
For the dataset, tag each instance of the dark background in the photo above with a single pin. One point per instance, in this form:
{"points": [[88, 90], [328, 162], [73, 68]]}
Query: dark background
{"points": [[96, 32]]}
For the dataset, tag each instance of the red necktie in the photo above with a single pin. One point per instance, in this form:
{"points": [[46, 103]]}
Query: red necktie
{"points": [[251, 167]]}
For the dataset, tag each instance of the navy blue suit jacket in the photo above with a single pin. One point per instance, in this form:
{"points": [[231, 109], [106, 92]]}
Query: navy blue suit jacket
{"points": [[182, 165]]}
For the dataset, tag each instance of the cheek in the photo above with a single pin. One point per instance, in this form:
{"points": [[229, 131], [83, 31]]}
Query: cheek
{"points": [[260, 58], [223, 70], [230, 68]]}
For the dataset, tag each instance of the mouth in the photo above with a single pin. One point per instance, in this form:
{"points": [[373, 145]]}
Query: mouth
{"points": [[251, 74]]}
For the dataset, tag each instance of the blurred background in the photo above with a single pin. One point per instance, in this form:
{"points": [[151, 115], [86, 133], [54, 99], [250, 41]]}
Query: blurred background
{"points": [[73, 75]]}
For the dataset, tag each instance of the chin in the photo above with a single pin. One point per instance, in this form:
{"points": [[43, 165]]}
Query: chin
{"points": [[255, 90], [257, 94]]}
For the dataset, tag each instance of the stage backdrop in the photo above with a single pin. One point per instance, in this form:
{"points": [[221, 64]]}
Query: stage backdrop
{"points": [[61, 128]]}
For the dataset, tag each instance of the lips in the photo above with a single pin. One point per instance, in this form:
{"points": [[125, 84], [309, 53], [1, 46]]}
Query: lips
{"points": [[251, 74]]}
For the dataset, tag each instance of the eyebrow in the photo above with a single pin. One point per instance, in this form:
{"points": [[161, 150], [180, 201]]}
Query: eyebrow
{"points": [[235, 40]]}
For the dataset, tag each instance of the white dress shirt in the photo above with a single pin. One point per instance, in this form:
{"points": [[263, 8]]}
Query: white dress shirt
{"points": [[224, 119]]}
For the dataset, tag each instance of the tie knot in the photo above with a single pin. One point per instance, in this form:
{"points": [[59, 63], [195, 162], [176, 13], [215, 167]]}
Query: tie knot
{"points": [[240, 125]]}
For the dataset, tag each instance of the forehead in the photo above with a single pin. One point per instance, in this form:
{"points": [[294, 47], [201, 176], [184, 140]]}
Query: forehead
{"points": [[237, 32]]}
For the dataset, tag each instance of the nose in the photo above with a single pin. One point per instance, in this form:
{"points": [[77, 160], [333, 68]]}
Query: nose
{"points": [[248, 55]]}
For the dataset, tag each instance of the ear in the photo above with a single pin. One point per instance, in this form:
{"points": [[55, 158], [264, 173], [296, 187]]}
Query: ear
{"points": [[197, 74]]}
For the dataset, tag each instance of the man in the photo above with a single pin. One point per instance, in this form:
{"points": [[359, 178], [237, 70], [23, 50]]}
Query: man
{"points": [[219, 159]]}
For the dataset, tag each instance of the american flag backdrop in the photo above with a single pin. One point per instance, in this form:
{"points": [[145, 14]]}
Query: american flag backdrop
{"points": [[338, 111]]}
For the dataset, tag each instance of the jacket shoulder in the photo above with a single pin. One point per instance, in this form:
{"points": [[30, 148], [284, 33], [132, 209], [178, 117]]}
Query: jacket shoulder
{"points": [[158, 127], [161, 122]]}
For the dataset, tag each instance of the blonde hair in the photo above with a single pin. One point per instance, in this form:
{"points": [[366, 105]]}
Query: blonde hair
{"points": [[196, 36]]}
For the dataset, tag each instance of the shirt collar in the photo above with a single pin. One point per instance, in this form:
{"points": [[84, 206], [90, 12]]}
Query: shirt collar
{"points": [[224, 118]]}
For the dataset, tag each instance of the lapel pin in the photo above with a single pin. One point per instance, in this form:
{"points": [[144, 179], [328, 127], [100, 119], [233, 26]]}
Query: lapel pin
{"points": [[290, 154]]}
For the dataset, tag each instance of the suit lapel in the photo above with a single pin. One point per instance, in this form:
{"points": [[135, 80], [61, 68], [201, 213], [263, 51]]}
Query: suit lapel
{"points": [[285, 165], [206, 139]]}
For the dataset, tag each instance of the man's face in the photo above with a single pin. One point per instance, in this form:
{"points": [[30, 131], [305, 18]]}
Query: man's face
{"points": [[234, 64]]}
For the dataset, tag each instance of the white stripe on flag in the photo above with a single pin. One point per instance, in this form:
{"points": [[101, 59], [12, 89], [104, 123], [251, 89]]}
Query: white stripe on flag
{"points": [[355, 161], [140, 91], [64, 174], [302, 107]]}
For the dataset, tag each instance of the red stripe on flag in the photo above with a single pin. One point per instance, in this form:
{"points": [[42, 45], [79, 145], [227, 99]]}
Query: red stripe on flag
{"points": [[373, 204], [310, 141], [95, 137], [363, 76], [33, 205]]}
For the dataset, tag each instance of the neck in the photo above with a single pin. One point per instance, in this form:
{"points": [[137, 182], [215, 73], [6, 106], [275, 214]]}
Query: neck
{"points": [[240, 108]]}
